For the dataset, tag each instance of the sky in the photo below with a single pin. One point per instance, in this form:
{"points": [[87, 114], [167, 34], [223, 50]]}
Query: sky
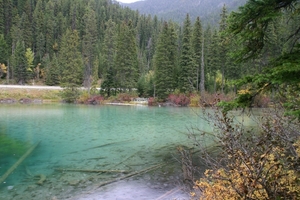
{"points": [[127, 1]]}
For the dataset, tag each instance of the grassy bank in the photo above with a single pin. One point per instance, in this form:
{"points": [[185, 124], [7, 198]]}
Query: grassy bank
{"points": [[17, 94]]}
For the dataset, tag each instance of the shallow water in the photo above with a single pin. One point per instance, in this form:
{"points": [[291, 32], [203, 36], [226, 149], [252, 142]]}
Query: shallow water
{"points": [[93, 137], [128, 138]]}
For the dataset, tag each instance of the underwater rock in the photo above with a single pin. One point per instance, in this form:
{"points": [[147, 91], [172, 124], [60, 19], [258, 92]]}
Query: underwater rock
{"points": [[10, 187], [41, 180], [74, 182]]}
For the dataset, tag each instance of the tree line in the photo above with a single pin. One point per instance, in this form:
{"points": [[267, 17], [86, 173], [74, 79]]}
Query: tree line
{"points": [[77, 43]]}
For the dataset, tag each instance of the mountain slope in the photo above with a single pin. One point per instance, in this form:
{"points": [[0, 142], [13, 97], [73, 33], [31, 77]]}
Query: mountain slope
{"points": [[208, 10]]}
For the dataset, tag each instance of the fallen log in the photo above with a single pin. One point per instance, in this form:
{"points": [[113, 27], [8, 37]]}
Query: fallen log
{"points": [[92, 170], [108, 144], [12, 168], [130, 175]]}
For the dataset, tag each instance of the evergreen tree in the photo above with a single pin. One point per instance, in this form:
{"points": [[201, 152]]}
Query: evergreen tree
{"points": [[89, 44], [126, 61], [3, 50], [165, 62], [109, 52], [223, 45], [197, 42], [72, 66], [19, 63], [188, 68], [52, 69]]}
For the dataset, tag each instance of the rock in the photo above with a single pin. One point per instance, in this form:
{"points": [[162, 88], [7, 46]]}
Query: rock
{"points": [[74, 182], [10, 187], [25, 101]]}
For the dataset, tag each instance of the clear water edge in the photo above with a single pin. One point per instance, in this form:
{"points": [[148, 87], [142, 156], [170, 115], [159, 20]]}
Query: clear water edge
{"points": [[94, 137]]}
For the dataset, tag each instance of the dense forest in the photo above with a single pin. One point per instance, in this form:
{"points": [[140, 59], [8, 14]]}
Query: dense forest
{"points": [[250, 52], [99, 43]]}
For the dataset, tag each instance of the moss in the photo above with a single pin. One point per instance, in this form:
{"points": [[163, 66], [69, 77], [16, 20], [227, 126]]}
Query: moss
{"points": [[11, 146]]}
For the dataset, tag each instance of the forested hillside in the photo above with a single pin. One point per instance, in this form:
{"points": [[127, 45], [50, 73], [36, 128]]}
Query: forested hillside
{"points": [[207, 10], [98, 43]]}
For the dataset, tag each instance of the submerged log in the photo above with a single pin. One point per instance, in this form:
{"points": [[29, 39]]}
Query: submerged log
{"points": [[130, 175], [12, 168], [92, 170]]}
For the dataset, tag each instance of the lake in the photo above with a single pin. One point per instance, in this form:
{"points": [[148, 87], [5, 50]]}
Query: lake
{"points": [[73, 137]]}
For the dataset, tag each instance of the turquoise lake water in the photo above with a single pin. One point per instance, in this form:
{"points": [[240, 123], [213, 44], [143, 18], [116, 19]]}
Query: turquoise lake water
{"points": [[94, 137]]}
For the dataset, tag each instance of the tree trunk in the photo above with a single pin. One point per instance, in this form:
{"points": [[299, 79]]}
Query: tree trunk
{"points": [[202, 82]]}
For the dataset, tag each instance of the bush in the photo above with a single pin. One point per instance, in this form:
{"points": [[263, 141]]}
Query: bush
{"points": [[179, 99], [152, 101], [70, 94], [195, 100], [260, 163]]}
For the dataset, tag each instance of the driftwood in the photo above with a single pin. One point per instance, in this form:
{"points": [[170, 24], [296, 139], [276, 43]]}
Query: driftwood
{"points": [[103, 145], [108, 144], [92, 170], [12, 168], [129, 175]]}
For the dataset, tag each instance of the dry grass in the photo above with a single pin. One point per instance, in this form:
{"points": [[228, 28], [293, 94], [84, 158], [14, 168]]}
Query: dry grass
{"points": [[45, 95]]}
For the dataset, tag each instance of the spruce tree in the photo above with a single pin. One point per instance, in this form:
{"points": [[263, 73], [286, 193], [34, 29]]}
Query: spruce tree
{"points": [[70, 61], [197, 42], [187, 66], [109, 53], [126, 62], [165, 62], [224, 44], [89, 44], [3, 50], [19, 63]]}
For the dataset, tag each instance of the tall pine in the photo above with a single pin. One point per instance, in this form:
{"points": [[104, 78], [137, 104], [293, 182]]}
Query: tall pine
{"points": [[126, 62], [70, 61], [165, 62], [197, 42], [187, 65]]}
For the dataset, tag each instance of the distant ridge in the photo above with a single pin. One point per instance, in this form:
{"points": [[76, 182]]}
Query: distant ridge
{"points": [[208, 10]]}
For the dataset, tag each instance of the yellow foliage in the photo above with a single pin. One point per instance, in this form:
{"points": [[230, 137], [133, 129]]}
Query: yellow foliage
{"points": [[249, 178], [3, 68], [195, 101], [246, 91]]}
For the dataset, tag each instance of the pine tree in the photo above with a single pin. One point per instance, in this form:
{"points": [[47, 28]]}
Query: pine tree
{"points": [[188, 67], [89, 44], [165, 62], [3, 50], [223, 45], [53, 74], [19, 63], [197, 42], [126, 62], [109, 53], [72, 66]]}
